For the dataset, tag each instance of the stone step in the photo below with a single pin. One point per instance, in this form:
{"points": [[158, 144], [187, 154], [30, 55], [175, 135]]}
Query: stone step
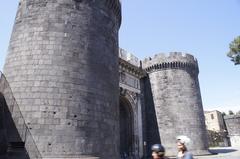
{"points": [[16, 145], [18, 154], [16, 150]]}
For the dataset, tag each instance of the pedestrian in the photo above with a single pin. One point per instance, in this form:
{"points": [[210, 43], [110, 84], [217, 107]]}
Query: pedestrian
{"points": [[158, 151], [183, 153]]}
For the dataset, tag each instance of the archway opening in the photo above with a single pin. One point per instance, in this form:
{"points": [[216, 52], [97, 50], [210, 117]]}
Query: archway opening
{"points": [[126, 128]]}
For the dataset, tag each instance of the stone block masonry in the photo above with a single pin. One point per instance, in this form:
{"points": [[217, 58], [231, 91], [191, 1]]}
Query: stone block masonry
{"points": [[233, 127], [177, 100], [64, 73], [57, 51]]}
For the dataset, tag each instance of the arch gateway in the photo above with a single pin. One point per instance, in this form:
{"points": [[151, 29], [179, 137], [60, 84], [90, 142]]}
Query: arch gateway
{"points": [[131, 117]]}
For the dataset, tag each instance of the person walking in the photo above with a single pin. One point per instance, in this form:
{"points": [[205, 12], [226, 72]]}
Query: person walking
{"points": [[183, 153], [158, 151]]}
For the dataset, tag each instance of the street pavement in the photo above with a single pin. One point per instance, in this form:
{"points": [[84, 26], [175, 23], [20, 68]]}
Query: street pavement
{"points": [[222, 153]]}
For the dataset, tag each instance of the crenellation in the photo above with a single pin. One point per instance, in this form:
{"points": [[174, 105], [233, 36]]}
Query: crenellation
{"points": [[170, 61], [172, 56]]}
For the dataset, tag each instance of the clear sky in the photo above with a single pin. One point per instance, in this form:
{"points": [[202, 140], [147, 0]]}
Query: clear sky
{"points": [[203, 28]]}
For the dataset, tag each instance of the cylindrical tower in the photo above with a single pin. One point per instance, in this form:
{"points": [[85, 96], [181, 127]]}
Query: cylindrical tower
{"points": [[177, 101], [62, 66]]}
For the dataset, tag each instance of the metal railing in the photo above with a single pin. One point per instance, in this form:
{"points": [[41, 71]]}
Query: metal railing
{"points": [[18, 119]]}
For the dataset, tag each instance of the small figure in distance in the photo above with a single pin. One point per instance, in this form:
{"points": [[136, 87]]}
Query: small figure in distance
{"points": [[183, 153], [158, 151]]}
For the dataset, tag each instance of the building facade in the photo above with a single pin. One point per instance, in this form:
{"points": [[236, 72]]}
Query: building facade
{"points": [[72, 93], [214, 121], [217, 131]]}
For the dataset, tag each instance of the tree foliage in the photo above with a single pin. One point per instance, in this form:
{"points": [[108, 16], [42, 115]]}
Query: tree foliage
{"points": [[230, 112], [223, 113], [215, 138], [234, 50]]}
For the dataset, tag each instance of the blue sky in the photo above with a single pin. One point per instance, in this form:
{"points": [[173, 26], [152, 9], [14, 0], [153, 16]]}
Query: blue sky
{"points": [[203, 28]]}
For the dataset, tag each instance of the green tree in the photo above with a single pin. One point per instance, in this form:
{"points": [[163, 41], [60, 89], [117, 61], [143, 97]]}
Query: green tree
{"points": [[215, 138], [230, 112], [234, 50], [223, 113]]}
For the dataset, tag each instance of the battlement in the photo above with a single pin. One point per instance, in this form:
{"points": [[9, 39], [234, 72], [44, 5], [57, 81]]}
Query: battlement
{"points": [[114, 5], [173, 60], [231, 117], [129, 57]]}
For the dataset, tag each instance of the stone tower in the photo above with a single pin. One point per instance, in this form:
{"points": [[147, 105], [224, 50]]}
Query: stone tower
{"points": [[177, 100], [62, 66]]}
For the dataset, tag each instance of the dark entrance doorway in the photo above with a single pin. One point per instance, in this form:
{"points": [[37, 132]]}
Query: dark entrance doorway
{"points": [[126, 128]]}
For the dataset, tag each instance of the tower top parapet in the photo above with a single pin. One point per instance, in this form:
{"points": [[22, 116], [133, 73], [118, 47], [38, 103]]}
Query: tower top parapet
{"points": [[232, 117], [115, 5], [129, 57], [170, 57], [172, 60]]}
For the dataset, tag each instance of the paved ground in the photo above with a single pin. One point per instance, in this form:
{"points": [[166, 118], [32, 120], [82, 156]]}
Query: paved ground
{"points": [[222, 153]]}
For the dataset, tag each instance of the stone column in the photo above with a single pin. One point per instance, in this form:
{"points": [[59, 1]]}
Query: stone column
{"points": [[140, 125]]}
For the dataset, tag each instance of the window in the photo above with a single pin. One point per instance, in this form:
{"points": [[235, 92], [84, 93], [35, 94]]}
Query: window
{"points": [[212, 117]]}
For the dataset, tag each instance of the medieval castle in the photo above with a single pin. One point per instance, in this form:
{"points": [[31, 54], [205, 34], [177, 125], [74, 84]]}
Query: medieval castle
{"points": [[68, 91]]}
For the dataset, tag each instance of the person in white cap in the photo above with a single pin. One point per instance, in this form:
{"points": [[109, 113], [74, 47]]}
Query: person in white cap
{"points": [[183, 153]]}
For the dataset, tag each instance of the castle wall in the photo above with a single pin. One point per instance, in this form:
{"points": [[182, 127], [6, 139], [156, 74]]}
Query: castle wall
{"points": [[233, 127], [177, 101], [62, 66]]}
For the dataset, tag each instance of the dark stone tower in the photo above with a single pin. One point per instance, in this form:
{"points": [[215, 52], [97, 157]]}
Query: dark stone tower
{"points": [[62, 66], [177, 101]]}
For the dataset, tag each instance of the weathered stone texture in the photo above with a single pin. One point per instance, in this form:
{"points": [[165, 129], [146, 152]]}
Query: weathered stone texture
{"points": [[57, 51], [151, 132], [233, 127], [177, 100], [63, 72]]}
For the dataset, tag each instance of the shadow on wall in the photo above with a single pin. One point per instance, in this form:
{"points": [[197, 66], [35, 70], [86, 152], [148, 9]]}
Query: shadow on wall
{"points": [[12, 141], [223, 150], [152, 135], [12, 132], [3, 131]]}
